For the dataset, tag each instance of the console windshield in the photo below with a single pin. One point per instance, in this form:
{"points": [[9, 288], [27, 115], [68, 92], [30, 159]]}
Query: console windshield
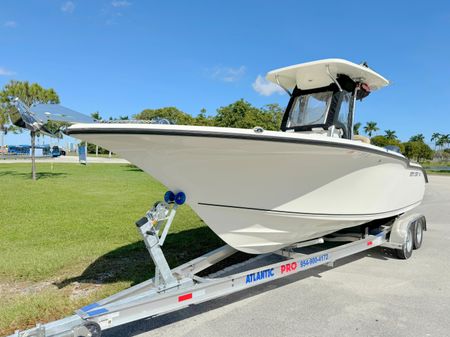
{"points": [[310, 109]]}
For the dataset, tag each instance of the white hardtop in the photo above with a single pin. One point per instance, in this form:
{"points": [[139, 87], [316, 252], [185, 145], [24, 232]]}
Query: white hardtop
{"points": [[317, 74]]}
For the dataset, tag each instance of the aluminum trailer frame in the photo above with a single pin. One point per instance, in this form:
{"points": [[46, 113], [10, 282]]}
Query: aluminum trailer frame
{"points": [[172, 290]]}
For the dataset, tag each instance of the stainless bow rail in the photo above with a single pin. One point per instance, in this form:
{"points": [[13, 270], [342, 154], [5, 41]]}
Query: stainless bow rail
{"points": [[173, 289]]}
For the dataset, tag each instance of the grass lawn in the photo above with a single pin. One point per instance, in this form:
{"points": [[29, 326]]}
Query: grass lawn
{"points": [[442, 173], [69, 238], [431, 166], [435, 163]]}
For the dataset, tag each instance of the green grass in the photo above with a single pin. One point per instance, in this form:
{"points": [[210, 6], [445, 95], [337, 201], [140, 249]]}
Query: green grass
{"points": [[435, 163], [431, 165], [443, 173], [74, 228]]}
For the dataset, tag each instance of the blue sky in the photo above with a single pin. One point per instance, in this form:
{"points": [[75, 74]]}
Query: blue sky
{"points": [[122, 56]]}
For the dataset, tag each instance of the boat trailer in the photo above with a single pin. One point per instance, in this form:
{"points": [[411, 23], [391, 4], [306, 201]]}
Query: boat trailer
{"points": [[173, 289]]}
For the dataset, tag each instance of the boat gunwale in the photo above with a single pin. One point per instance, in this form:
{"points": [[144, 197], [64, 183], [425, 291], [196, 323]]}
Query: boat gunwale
{"points": [[315, 141]]}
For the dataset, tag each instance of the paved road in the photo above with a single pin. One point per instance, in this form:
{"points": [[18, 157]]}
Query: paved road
{"points": [[370, 294]]}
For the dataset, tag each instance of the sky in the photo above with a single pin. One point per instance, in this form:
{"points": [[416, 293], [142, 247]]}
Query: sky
{"points": [[119, 57]]}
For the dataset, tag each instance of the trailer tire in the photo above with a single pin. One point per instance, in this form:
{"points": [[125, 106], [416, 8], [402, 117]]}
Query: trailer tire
{"points": [[418, 233], [406, 252], [94, 329]]}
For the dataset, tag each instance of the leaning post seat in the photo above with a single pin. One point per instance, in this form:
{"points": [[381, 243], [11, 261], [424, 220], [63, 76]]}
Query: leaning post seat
{"points": [[363, 139]]}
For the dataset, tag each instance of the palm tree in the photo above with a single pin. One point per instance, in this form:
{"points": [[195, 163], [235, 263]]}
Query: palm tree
{"points": [[356, 127], [435, 138], [440, 142], [445, 139], [96, 115], [390, 134], [417, 138], [370, 127]]}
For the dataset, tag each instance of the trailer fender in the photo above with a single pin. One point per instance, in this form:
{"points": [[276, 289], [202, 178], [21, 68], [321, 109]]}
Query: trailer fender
{"points": [[401, 225]]}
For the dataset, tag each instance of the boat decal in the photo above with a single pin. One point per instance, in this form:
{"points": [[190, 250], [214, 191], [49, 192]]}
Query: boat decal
{"points": [[304, 213], [288, 267], [259, 137], [90, 307], [311, 261], [97, 312], [184, 297], [259, 275], [94, 309], [191, 295]]}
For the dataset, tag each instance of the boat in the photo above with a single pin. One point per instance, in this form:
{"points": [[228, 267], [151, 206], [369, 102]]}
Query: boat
{"points": [[261, 190]]}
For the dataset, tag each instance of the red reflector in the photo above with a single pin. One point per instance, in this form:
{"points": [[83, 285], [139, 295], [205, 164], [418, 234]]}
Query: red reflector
{"points": [[184, 297], [369, 243]]}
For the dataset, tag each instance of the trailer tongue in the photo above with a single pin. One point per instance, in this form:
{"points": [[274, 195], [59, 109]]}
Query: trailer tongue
{"points": [[174, 289]]}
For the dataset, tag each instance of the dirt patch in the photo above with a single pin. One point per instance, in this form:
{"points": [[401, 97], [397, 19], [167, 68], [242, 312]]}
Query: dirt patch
{"points": [[12, 289], [81, 290], [77, 290]]}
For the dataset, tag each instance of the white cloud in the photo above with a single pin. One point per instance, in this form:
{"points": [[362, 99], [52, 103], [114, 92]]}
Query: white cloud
{"points": [[68, 7], [6, 72], [120, 3], [10, 24], [112, 20], [112, 12], [266, 88], [227, 74]]}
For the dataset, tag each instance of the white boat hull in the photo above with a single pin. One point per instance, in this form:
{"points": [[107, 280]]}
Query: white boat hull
{"points": [[262, 192]]}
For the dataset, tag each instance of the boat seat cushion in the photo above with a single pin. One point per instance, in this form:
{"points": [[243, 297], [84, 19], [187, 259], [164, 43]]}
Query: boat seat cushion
{"points": [[361, 139]]}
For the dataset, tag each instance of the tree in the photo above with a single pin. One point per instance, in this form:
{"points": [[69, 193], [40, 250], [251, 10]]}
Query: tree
{"points": [[417, 138], [96, 116], [241, 114], [356, 127], [93, 148], [203, 120], [29, 94], [383, 141], [435, 138], [3, 127], [170, 113], [445, 140], [275, 112], [418, 150], [390, 134], [370, 128]]}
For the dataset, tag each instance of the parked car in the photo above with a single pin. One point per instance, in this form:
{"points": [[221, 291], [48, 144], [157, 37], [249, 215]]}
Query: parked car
{"points": [[57, 151]]}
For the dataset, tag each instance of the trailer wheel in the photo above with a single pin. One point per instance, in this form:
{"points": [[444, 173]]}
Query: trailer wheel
{"points": [[94, 329], [418, 234], [406, 252]]}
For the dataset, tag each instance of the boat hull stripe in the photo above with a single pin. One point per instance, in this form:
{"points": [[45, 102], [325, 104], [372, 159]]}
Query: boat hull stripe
{"points": [[303, 213]]}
